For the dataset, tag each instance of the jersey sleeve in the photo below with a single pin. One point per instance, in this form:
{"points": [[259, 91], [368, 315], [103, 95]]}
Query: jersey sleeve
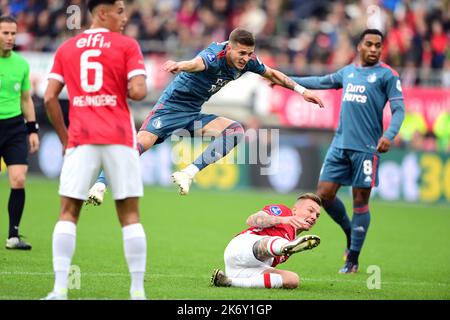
{"points": [[209, 58], [26, 85], [134, 60], [57, 71], [329, 81], [395, 97], [255, 65], [277, 210]]}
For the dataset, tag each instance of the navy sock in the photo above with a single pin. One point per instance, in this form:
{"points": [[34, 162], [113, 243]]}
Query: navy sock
{"points": [[221, 146], [360, 226], [102, 178], [16, 204], [336, 209], [140, 148]]}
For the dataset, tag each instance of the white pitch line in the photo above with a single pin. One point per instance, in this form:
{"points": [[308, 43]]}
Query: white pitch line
{"points": [[159, 275], [93, 274]]}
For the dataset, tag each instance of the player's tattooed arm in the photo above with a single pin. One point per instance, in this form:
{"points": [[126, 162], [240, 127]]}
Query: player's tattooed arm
{"points": [[263, 220], [279, 78], [260, 249]]}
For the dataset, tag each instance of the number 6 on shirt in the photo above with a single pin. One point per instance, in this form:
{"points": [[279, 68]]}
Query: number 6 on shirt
{"points": [[85, 65]]}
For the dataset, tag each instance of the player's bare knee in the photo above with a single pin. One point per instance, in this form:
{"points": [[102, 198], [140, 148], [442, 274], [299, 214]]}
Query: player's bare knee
{"points": [[325, 194], [128, 211], [291, 280], [18, 181], [147, 139], [70, 209]]}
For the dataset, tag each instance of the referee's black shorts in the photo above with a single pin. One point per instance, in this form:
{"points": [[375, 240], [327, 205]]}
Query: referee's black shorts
{"points": [[13, 141]]}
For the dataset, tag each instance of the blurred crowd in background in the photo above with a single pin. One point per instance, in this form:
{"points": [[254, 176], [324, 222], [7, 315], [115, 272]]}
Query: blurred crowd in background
{"points": [[298, 37]]}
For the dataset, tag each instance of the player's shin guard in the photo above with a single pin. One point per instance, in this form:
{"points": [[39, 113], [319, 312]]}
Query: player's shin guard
{"points": [[360, 226], [64, 238], [267, 280], [135, 247], [221, 146], [274, 246], [336, 209]]}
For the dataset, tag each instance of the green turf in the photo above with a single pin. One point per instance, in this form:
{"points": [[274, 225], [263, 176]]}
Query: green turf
{"points": [[187, 236]]}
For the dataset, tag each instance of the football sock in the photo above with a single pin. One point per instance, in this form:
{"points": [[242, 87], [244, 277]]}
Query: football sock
{"points": [[221, 145], [191, 170], [64, 237], [360, 225], [336, 209], [135, 247], [275, 244], [353, 256], [15, 208], [140, 148], [266, 280], [101, 178]]}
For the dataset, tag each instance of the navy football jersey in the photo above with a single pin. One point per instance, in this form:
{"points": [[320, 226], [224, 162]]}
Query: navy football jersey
{"points": [[365, 93], [189, 90]]}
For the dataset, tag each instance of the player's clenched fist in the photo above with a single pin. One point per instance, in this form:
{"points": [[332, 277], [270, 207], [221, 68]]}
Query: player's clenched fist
{"points": [[298, 223]]}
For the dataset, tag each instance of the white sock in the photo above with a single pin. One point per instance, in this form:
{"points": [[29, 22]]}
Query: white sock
{"points": [[274, 245], [266, 280], [191, 170], [135, 247], [64, 238]]}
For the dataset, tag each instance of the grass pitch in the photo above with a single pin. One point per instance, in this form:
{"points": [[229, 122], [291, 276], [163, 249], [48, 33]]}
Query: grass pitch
{"points": [[407, 243]]}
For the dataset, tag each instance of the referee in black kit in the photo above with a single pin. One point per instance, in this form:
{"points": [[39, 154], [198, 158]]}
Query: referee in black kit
{"points": [[16, 106]]}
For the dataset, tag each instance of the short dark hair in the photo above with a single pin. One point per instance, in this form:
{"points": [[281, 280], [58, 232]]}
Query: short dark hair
{"points": [[371, 31], [7, 19], [242, 36], [94, 3], [311, 196]]}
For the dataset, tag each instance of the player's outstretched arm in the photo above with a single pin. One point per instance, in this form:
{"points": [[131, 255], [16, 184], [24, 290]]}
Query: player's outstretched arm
{"points": [[194, 65], [263, 220], [53, 108], [279, 78]]}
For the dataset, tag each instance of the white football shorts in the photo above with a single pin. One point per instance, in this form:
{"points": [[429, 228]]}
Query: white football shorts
{"points": [[240, 261], [82, 166]]}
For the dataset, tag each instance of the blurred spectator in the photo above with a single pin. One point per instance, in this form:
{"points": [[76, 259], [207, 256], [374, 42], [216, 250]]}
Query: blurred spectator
{"points": [[439, 45], [417, 33]]}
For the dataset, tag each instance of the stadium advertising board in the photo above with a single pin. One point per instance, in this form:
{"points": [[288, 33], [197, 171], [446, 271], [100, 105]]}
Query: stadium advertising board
{"points": [[404, 175], [414, 177], [293, 111]]}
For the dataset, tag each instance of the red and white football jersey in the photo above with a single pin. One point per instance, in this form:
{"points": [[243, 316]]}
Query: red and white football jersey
{"points": [[281, 230], [96, 66]]}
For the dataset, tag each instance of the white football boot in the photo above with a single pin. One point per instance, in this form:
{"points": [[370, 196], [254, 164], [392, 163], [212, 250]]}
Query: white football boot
{"points": [[62, 295], [183, 180], [138, 295], [300, 244], [96, 194]]}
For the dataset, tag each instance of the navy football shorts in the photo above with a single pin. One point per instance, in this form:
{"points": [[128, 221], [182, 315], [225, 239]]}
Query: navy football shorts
{"points": [[350, 168], [163, 122]]}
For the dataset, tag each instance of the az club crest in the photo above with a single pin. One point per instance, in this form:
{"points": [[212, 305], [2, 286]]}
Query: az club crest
{"points": [[275, 210]]}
